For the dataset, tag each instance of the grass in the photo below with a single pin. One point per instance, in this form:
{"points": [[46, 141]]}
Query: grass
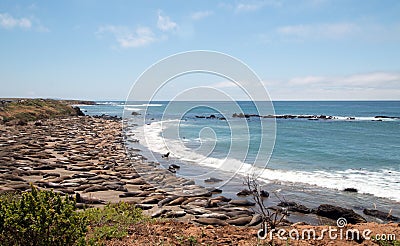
{"points": [[111, 221]]}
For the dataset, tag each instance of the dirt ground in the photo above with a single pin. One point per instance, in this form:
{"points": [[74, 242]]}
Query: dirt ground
{"points": [[180, 233]]}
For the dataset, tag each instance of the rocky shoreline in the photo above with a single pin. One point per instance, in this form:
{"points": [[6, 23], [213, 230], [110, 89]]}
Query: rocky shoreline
{"points": [[85, 157]]}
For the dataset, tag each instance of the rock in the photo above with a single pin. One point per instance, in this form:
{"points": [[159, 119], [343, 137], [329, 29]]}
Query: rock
{"points": [[244, 203], [210, 221], [175, 166], [255, 220], [78, 111], [264, 193], [244, 192], [294, 207], [241, 221], [351, 190], [335, 212], [213, 180], [380, 215], [214, 190]]}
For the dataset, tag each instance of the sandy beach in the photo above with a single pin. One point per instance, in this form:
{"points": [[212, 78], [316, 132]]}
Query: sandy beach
{"points": [[85, 157]]}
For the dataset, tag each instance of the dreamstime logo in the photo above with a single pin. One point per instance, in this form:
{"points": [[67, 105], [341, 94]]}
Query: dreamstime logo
{"points": [[333, 233], [160, 126]]}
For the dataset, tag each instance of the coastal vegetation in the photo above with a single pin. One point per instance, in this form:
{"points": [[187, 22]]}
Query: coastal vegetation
{"points": [[21, 111], [43, 217]]}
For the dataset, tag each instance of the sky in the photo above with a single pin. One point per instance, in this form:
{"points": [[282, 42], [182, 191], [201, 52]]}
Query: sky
{"points": [[301, 50]]}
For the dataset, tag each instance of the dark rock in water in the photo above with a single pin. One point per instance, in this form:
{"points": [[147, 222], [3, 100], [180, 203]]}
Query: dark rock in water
{"points": [[351, 190], [213, 180], [210, 221], [200, 116], [214, 190], [244, 192], [134, 113], [380, 215], [241, 221], [295, 207], [242, 203], [264, 193], [287, 204], [78, 111], [335, 212], [175, 166]]}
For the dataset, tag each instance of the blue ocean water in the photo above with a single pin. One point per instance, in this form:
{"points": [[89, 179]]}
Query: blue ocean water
{"points": [[354, 149]]}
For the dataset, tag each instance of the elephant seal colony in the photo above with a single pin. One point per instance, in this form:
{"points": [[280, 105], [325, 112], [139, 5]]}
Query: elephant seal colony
{"points": [[85, 157]]}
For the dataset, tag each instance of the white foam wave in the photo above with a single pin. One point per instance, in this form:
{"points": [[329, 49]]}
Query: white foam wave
{"points": [[132, 109], [143, 105]]}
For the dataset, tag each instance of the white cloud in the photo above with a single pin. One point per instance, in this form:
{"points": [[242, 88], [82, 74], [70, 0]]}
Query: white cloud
{"points": [[327, 30], [165, 23], [250, 6], [8, 22], [364, 86], [376, 80], [201, 14], [127, 38]]}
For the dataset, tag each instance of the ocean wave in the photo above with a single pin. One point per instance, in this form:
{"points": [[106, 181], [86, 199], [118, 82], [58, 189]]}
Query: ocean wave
{"points": [[143, 105], [380, 183]]}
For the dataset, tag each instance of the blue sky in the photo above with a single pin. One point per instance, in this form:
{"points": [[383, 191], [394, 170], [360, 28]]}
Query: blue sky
{"points": [[302, 50]]}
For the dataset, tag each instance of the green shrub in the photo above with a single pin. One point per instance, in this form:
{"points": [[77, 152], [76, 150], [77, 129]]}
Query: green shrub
{"points": [[40, 218], [111, 221]]}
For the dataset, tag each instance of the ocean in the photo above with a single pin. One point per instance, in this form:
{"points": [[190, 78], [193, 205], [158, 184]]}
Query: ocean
{"points": [[312, 154]]}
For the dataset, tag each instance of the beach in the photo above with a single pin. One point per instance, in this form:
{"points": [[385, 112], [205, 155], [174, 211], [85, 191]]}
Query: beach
{"points": [[85, 157]]}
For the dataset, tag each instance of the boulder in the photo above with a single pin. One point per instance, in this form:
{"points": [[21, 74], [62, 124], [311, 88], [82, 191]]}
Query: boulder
{"points": [[335, 212], [380, 215], [212, 180]]}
